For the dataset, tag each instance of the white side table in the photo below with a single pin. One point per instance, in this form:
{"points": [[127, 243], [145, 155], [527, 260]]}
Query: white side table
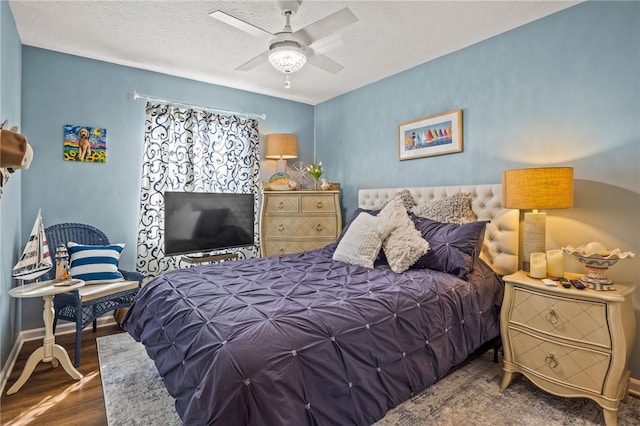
{"points": [[49, 351]]}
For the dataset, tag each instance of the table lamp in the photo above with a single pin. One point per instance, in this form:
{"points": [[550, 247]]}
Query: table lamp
{"points": [[281, 147], [532, 189]]}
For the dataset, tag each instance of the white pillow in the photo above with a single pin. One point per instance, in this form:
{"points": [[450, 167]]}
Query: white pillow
{"points": [[405, 245], [361, 243]]}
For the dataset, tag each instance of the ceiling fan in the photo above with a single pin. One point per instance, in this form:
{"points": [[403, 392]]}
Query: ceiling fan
{"points": [[288, 51]]}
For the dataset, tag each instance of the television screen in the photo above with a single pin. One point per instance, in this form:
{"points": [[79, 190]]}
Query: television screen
{"points": [[202, 222]]}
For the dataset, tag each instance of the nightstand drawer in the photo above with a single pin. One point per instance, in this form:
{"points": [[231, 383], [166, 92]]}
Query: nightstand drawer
{"points": [[285, 203], [318, 204], [285, 247], [300, 226], [578, 320], [566, 364]]}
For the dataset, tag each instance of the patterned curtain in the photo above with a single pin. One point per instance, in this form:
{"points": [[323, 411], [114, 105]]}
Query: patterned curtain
{"points": [[194, 151]]}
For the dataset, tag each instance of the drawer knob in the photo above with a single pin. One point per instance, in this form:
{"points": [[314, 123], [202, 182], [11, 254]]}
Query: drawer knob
{"points": [[319, 204], [281, 227], [551, 361], [281, 250], [319, 227], [280, 204], [551, 317]]}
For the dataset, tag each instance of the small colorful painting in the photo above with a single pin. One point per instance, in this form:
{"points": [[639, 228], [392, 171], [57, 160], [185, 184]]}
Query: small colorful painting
{"points": [[84, 143], [434, 135]]}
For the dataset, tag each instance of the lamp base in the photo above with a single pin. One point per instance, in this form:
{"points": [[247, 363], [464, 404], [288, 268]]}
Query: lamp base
{"points": [[535, 229], [281, 166]]}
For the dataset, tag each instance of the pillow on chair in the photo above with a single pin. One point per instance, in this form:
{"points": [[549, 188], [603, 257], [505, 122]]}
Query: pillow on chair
{"points": [[95, 264]]}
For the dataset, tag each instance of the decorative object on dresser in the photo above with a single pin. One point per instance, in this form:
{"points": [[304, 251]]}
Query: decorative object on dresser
{"points": [[315, 170], [298, 221], [597, 259], [434, 135], [300, 174], [533, 189], [325, 184], [569, 342]]}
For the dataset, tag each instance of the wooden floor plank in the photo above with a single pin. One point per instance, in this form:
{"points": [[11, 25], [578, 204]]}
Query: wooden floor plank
{"points": [[51, 396]]}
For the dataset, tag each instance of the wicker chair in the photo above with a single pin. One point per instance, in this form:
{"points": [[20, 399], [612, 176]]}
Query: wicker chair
{"points": [[87, 303]]}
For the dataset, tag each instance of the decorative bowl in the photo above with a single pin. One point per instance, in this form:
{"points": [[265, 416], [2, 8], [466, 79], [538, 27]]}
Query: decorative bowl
{"points": [[597, 259]]}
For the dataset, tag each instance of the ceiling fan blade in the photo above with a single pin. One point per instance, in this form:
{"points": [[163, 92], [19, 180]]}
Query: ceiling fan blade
{"points": [[323, 62], [252, 63], [326, 26], [239, 24]]}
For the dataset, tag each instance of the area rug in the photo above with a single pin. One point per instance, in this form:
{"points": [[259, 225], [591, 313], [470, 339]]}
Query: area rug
{"points": [[134, 394]]}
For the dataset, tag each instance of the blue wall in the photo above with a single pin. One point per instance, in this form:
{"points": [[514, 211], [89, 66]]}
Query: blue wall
{"points": [[61, 89], [564, 90], [10, 207]]}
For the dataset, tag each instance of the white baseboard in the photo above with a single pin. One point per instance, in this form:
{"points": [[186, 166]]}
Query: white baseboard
{"points": [[634, 387], [11, 361], [38, 334]]}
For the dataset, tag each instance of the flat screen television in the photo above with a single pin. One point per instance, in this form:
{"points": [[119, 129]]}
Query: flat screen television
{"points": [[204, 222]]}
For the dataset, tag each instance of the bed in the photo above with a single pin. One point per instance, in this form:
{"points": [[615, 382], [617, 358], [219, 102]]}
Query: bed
{"points": [[306, 339]]}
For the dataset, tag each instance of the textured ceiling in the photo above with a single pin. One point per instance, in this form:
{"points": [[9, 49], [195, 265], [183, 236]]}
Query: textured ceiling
{"points": [[180, 38]]}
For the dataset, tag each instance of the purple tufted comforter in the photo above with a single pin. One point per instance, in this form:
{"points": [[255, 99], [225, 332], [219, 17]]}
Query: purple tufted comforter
{"points": [[302, 339]]}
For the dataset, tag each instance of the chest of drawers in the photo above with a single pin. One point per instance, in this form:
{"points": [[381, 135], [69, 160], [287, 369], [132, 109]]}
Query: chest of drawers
{"points": [[569, 342], [294, 221]]}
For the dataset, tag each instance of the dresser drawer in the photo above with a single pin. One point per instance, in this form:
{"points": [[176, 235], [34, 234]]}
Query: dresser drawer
{"points": [[318, 204], [285, 203], [578, 320], [300, 226], [275, 247], [579, 367]]}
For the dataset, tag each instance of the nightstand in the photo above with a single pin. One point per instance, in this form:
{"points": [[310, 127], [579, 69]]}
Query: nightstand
{"points": [[295, 221], [569, 342]]}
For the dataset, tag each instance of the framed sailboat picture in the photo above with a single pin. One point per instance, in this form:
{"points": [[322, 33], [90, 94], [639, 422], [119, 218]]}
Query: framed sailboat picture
{"points": [[85, 143], [434, 135]]}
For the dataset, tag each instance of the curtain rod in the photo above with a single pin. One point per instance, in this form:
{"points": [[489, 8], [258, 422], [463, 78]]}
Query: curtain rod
{"points": [[137, 95]]}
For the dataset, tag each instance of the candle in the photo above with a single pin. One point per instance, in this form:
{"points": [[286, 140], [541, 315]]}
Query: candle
{"points": [[555, 266], [538, 265]]}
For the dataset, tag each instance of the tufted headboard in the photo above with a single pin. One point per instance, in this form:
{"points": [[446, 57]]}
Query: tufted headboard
{"points": [[500, 248]]}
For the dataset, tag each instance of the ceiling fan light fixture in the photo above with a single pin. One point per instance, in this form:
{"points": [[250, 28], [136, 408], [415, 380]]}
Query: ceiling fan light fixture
{"points": [[287, 58]]}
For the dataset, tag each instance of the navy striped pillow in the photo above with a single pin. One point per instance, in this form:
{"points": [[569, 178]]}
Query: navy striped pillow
{"points": [[95, 264]]}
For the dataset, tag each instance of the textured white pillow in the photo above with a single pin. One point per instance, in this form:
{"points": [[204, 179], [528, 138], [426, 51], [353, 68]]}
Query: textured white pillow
{"points": [[452, 209], [405, 245], [361, 243]]}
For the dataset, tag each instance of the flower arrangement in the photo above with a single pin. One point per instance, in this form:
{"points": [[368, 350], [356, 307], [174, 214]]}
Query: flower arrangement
{"points": [[315, 170]]}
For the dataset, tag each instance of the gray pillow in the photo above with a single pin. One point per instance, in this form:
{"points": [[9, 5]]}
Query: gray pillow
{"points": [[404, 245], [361, 243], [452, 209]]}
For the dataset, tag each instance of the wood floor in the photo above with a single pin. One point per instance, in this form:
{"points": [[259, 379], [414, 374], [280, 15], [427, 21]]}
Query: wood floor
{"points": [[51, 396]]}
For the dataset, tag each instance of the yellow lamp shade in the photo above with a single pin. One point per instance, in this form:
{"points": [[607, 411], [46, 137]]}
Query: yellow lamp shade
{"points": [[538, 188], [281, 146]]}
